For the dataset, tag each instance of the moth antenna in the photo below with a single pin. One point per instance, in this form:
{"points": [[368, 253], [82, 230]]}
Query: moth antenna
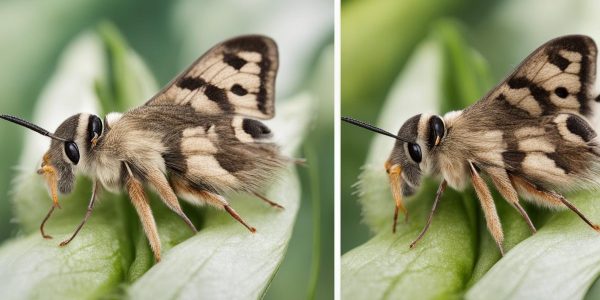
{"points": [[371, 127], [31, 126]]}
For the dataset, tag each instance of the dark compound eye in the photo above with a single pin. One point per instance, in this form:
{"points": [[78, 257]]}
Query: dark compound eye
{"points": [[94, 127], [436, 130], [414, 150], [72, 152]]}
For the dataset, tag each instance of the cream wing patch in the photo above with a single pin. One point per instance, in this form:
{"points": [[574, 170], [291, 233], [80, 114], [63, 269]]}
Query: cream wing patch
{"points": [[196, 140], [208, 168], [533, 139], [541, 166], [200, 147], [490, 146], [521, 98]]}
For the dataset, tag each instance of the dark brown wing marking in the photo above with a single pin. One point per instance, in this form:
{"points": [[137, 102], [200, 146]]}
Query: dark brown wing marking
{"points": [[234, 77], [557, 77], [556, 152]]}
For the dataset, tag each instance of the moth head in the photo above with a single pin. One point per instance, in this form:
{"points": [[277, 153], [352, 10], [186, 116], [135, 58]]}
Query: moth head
{"points": [[414, 151], [412, 154], [70, 147]]}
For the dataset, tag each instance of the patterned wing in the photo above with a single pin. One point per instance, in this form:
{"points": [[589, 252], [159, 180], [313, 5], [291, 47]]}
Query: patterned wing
{"points": [[534, 124], [234, 77], [557, 77]]}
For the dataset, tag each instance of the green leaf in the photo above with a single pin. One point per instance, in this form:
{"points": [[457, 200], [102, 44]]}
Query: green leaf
{"points": [[561, 261], [91, 265], [385, 267], [130, 82], [465, 73]]}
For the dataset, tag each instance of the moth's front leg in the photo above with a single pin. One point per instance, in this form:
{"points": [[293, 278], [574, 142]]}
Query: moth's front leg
{"points": [[550, 197], [158, 180], [88, 213], [438, 196], [142, 206], [488, 206]]}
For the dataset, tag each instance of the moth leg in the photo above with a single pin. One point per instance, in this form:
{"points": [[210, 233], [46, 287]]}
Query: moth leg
{"points": [[197, 195], [529, 191], [265, 199], [300, 162], [549, 196], [158, 180], [438, 196], [140, 202], [88, 213], [488, 206], [44, 235], [507, 190], [219, 201], [213, 199]]}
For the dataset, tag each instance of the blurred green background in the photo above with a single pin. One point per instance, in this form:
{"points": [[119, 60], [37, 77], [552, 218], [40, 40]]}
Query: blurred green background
{"points": [[378, 38], [169, 35]]}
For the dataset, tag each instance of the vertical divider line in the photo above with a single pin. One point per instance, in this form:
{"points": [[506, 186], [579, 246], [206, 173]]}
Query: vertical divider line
{"points": [[336, 149]]}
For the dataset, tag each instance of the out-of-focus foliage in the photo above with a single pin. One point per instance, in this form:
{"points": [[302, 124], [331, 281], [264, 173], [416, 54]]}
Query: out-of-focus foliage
{"points": [[110, 257], [457, 257], [377, 39]]}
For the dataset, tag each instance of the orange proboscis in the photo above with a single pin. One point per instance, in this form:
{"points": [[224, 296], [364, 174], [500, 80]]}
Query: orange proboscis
{"points": [[395, 176]]}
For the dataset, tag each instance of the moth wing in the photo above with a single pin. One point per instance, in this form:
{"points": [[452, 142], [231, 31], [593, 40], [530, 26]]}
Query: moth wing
{"points": [[234, 77], [556, 77], [534, 123]]}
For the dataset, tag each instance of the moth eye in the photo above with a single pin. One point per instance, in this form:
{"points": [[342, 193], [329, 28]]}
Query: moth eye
{"points": [[94, 127], [414, 150], [436, 130], [72, 152]]}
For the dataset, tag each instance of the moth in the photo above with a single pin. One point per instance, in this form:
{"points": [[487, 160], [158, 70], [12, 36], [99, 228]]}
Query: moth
{"points": [[530, 136], [197, 139]]}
